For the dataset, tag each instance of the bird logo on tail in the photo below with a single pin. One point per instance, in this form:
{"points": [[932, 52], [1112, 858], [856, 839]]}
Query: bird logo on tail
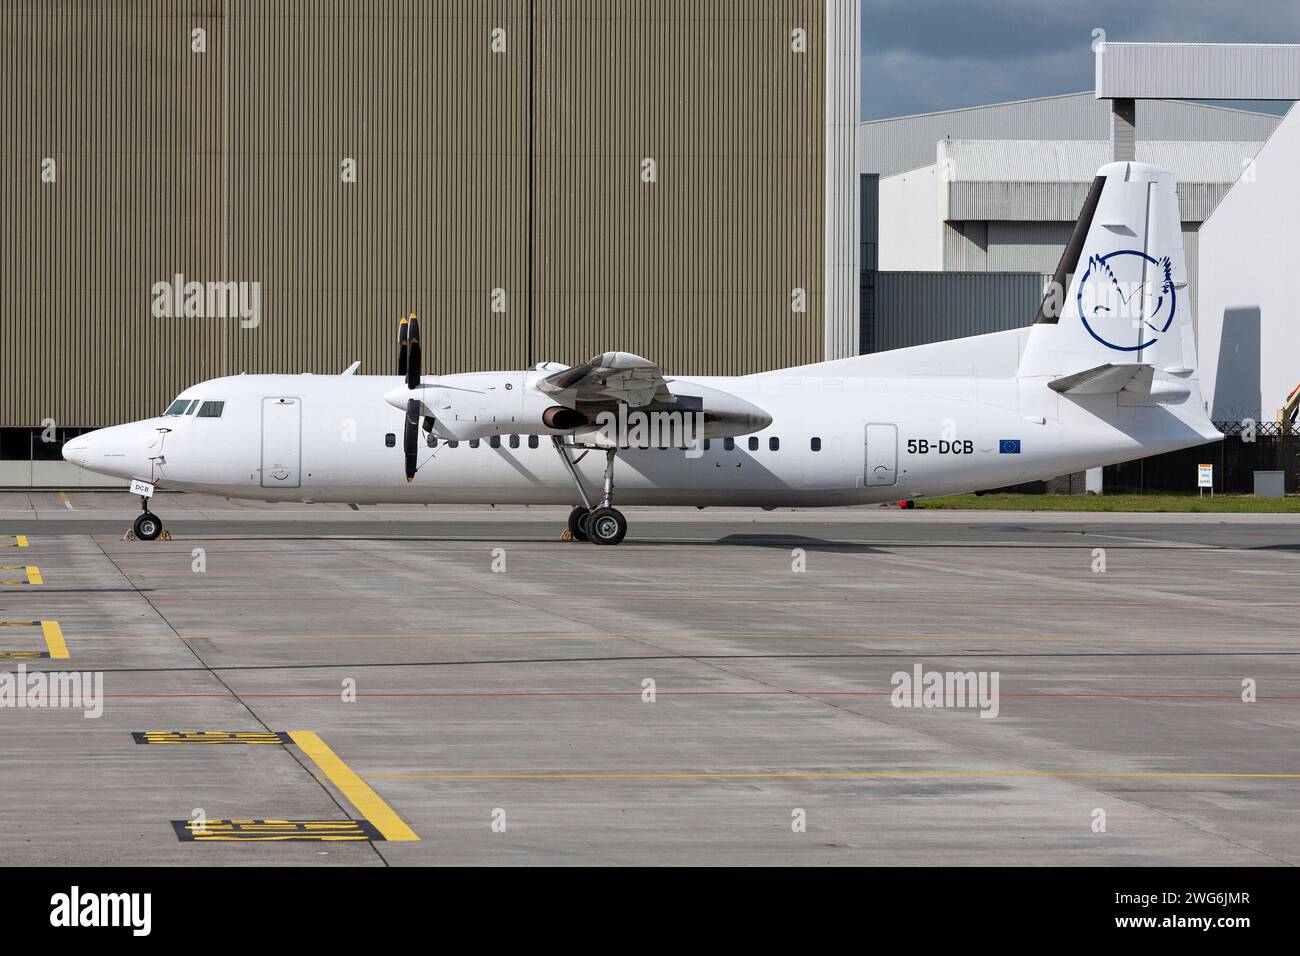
{"points": [[1126, 299]]}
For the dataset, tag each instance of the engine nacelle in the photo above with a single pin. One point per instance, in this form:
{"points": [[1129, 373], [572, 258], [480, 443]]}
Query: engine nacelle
{"points": [[482, 404]]}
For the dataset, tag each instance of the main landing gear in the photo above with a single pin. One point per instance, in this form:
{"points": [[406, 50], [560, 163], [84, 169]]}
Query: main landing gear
{"points": [[603, 524], [148, 526]]}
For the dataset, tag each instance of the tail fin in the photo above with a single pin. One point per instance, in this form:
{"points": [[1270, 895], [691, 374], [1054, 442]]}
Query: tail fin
{"points": [[1119, 295]]}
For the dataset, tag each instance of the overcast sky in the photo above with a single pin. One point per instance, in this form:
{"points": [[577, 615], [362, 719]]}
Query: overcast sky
{"points": [[919, 56]]}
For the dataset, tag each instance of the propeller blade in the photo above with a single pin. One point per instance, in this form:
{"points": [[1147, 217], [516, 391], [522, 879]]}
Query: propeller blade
{"points": [[402, 332], [411, 437], [413, 353]]}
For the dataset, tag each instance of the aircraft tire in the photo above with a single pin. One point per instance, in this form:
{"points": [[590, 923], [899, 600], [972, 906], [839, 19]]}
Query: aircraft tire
{"points": [[575, 523], [605, 526], [147, 527]]}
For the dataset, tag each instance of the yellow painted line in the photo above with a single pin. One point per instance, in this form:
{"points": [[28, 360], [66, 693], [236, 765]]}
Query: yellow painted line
{"points": [[747, 635], [814, 774], [380, 814], [33, 574], [67, 502], [54, 640]]}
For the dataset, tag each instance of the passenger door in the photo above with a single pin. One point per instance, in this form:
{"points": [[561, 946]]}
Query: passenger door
{"points": [[281, 442], [881, 456]]}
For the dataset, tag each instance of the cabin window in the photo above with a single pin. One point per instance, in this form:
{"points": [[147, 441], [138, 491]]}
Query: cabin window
{"points": [[774, 444], [532, 441], [816, 444], [514, 441], [177, 407], [753, 444], [729, 444], [474, 443], [211, 409], [390, 440], [495, 441]]}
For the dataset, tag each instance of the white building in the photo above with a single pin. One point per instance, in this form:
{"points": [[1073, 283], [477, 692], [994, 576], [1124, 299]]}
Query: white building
{"points": [[1249, 311], [996, 189]]}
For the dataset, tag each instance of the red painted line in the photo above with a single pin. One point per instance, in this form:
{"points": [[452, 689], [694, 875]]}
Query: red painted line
{"points": [[690, 693]]}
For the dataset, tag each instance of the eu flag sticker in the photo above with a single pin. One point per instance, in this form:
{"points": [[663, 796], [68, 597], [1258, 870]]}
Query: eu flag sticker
{"points": [[1009, 446]]}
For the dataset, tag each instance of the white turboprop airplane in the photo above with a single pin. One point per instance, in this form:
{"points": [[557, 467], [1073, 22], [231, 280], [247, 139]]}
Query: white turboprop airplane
{"points": [[1106, 373]]}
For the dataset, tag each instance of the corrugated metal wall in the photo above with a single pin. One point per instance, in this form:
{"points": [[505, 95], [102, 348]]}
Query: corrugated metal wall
{"points": [[226, 165], [1205, 71], [916, 308]]}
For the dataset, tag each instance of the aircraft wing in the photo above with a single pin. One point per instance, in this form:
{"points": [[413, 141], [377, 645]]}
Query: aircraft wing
{"points": [[609, 377]]}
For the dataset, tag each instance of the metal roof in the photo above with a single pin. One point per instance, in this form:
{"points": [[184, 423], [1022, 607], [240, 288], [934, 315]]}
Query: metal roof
{"points": [[907, 142], [1000, 160], [1035, 180], [1206, 71]]}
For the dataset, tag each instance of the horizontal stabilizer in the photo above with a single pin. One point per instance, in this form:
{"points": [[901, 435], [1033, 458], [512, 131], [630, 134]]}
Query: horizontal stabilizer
{"points": [[1106, 379]]}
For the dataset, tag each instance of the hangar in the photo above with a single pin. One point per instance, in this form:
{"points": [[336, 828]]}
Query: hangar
{"points": [[538, 179]]}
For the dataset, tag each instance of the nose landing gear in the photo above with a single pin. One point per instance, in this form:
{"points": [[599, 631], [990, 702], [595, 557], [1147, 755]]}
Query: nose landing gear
{"points": [[147, 527]]}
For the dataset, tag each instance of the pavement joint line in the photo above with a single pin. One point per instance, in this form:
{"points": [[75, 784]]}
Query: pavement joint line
{"points": [[983, 655], [371, 806], [840, 774], [204, 666]]}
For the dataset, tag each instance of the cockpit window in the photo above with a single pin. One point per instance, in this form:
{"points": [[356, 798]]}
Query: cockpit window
{"points": [[193, 405], [177, 407], [211, 409]]}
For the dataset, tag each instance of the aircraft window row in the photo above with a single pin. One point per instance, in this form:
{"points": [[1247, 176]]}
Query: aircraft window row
{"points": [[773, 444], [728, 444], [493, 442]]}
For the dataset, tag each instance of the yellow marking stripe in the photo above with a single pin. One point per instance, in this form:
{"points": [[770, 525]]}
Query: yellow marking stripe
{"points": [[353, 787], [54, 640], [21, 540], [829, 773], [34, 575]]}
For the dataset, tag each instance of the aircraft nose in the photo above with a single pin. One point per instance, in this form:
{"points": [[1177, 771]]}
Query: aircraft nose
{"points": [[77, 450], [120, 451]]}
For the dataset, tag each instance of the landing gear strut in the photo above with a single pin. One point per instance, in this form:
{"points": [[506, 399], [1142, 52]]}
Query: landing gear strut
{"points": [[603, 524], [148, 526]]}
